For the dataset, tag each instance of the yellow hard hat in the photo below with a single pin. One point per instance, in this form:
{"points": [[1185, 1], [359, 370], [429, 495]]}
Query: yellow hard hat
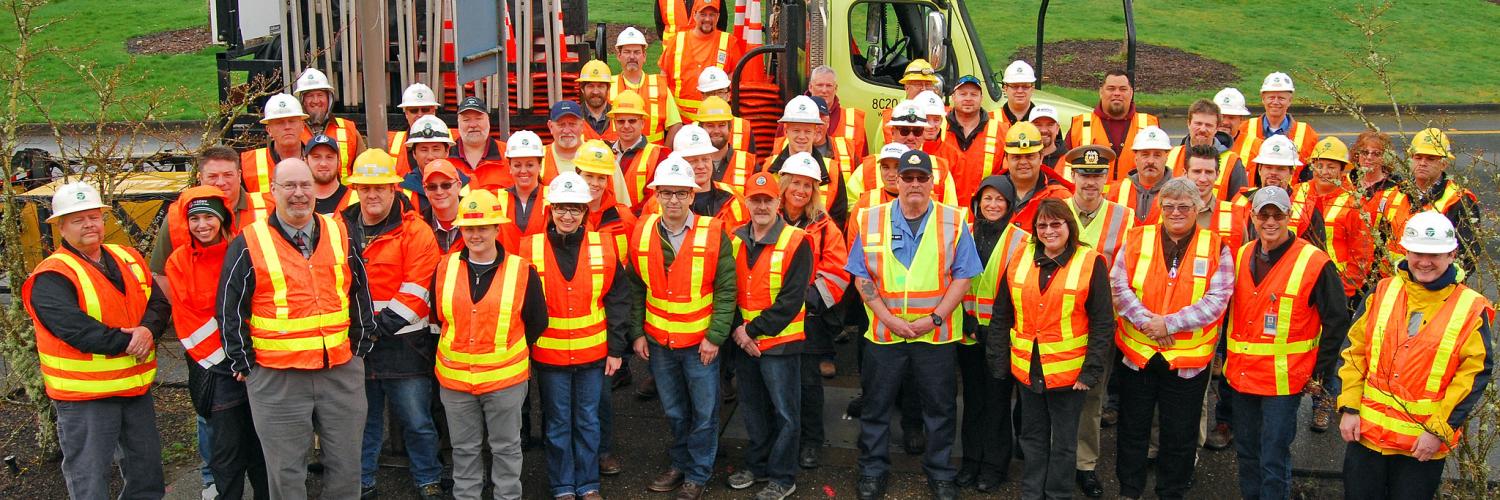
{"points": [[375, 167], [479, 208], [595, 71], [628, 103], [715, 109], [1331, 148], [919, 70], [1023, 138], [1432, 141], [595, 157]]}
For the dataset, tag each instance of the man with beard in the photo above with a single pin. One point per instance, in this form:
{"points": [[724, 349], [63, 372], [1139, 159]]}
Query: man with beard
{"points": [[684, 56], [428, 140], [1113, 123], [731, 164], [1278, 160], [713, 82], [566, 124], [1203, 130], [1431, 154], [317, 97], [662, 118], [1044, 117], [322, 155], [636, 156], [476, 151], [1138, 191], [1276, 97], [593, 89], [284, 121]]}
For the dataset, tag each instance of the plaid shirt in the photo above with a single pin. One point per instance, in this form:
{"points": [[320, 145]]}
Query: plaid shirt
{"points": [[1194, 316]]}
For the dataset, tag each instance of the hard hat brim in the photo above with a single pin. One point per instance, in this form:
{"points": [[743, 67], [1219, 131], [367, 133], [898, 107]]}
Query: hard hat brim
{"points": [[419, 104], [483, 221], [706, 149], [420, 140], [374, 180], [1024, 151], [793, 119], [914, 77], [557, 198]]}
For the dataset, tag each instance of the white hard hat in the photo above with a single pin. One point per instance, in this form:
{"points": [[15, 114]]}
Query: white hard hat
{"points": [[568, 187], [801, 109], [282, 106], [1151, 137], [630, 36], [1019, 72], [692, 140], [892, 151], [1277, 82], [312, 79], [74, 197], [712, 78], [1429, 232], [931, 103], [417, 95], [673, 172], [428, 128], [1278, 150], [804, 165], [1043, 111], [905, 109], [524, 144], [1231, 102]]}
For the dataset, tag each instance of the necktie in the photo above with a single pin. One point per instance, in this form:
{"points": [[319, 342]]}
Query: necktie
{"points": [[299, 239]]}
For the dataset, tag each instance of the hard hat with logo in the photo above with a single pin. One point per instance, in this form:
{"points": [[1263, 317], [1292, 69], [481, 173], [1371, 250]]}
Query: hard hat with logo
{"points": [[1019, 72], [1431, 141], [892, 151], [714, 109], [1429, 232], [1331, 148], [1277, 82], [568, 187], [630, 36], [919, 70], [524, 144], [312, 79], [931, 103], [417, 95], [1023, 138], [595, 157], [373, 167], [801, 109], [1231, 102], [692, 140], [802, 164], [428, 128], [1278, 150], [712, 78], [74, 197], [479, 208], [282, 106], [1151, 137], [908, 114], [627, 102], [673, 172], [595, 71]]}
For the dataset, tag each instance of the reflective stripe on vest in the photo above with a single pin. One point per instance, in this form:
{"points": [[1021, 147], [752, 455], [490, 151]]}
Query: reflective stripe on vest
{"points": [[992, 140], [912, 293], [1107, 230], [575, 332], [656, 106], [482, 345], [760, 284], [679, 298], [1051, 322], [1273, 332], [980, 301], [849, 129], [260, 169], [739, 134], [691, 105], [317, 334], [1163, 291], [1177, 160]]}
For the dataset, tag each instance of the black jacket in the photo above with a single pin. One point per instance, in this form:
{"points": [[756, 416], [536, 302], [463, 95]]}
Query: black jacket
{"points": [[790, 299], [1098, 306]]}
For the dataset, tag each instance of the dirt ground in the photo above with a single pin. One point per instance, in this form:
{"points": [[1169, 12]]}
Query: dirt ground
{"points": [[183, 41], [1082, 64]]}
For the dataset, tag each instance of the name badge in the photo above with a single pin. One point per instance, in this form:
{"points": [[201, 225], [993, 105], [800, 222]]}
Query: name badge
{"points": [[896, 237], [1268, 327], [1200, 267], [723, 57]]}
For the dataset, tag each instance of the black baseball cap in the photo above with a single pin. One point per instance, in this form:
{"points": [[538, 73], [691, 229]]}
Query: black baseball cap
{"points": [[472, 103], [915, 160], [320, 140], [822, 104]]}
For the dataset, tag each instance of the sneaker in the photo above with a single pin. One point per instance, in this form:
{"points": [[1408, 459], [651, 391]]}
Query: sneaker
{"points": [[1220, 437], [210, 492], [742, 479], [775, 491], [1322, 416]]}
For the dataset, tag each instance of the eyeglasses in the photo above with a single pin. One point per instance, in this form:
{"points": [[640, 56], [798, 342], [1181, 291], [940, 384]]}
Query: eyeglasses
{"points": [[440, 186], [673, 195], [571, 211], [1369, 152], [915, 179], [1275, 216], [1051, 226], [296, 186], [905, 131], [1176, 208]]}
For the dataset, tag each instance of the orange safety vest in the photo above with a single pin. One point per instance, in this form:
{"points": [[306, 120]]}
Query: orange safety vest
{"points": [[1341, 217], [536, 219], [396, 145], [399, 265], [1177, 161], [257, 206], [1452, 195], [981, 160], [980, 301], [1224, 223], [639, 172], [674, 18], [346, 135], [1247, 145], [193, 272], [482, 345], [256, 168], [680, 297], [1273, 332], [576, 325], [1165, 292], [741, 165], [1387, 211], [688, 97], [1106, 232], [839, 165], [912, 292], [656, 97], [1051, 322], [73, 375], [1124, 192], [1087, 129], [868, 173], [739, 134], [760, 283], [315, 333], [851, 127], [1393, 410]]}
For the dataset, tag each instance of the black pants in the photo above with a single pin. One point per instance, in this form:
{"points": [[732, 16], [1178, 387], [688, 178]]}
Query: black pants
{"points": [[1049, 438], [1371, 475], [1144, 394], [236, 453], [986, 429], [887, 368], [819, 346]]}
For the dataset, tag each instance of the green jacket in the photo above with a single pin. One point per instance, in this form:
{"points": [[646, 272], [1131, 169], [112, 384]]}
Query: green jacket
{"points": [[726, 298]]}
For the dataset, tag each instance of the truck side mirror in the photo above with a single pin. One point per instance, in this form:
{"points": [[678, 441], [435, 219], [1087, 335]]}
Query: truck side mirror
{"points": [[937, 36], [874, 36]]}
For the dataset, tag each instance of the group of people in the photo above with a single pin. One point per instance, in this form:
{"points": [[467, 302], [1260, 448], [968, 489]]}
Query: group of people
{"points": [[1068, 279]]}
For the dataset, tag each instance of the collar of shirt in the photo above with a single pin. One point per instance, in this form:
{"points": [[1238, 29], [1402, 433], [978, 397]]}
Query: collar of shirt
{"points": [[640, 142], [676, 236], [965, 139], [903, 234], [1281, 128], [491, 151], [747, 233], [308, 231], [1045, 262]]}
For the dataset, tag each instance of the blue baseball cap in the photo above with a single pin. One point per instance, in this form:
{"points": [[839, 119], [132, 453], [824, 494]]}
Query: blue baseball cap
{"points": [[966, 79], [822, 104], [320, 140], [565, 108]]}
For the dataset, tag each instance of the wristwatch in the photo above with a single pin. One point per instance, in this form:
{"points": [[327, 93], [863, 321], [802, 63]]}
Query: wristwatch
{"points": [[936, 320]]}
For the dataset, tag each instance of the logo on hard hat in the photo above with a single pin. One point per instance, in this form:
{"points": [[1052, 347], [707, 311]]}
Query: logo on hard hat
{"points": [[598, 155], [1431, 232], [473, 205], [567, 184], [1149, 135], [525, 141], [1275, 148], [1019, 70], [1091, 157], [694, 137], [80, 196], [281, 104], [760, 181], [1022, 136], [676, 169], [801, 107]]}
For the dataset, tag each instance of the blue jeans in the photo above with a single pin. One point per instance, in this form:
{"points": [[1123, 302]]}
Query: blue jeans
{"points": [[607, 411], [205, 436], [689, 392], [771, 389], [409, 400], [570, 410], [1264, 427]]}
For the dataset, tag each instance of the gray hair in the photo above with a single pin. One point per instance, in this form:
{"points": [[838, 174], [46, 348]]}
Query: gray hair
{"points": [[1180, 188], [822, 70]]}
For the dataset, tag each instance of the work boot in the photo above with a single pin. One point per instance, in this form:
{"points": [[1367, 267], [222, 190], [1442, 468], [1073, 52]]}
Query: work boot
{"points": [[1322, 415], [809, 457], [609, 465], [432, 491], [668, 480], [690, 491], [1088, 482], [1108, 417], [593, 495], [646, 389], [943, 490], [1220, 437], [871, 487]]}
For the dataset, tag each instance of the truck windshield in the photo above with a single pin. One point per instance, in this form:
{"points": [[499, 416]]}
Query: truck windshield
{"points": [[886, 36]]}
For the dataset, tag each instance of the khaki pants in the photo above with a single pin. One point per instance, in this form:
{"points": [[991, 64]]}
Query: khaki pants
{"points": [[1088, 421]]}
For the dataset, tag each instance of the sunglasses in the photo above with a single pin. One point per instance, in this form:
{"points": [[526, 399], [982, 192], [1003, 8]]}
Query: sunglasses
{"points": [[440, 186], [905, 131], [916, 179], [1276, 216], [1051, 226]]}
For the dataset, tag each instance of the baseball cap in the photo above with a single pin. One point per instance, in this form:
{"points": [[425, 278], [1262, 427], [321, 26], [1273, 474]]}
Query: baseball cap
{"points": [[472, 103], [762, 183], [320, 140], [822, 104], [1043, 111], [440, 166], [1271, 195], [915, 160], [565, 108], [967, 80], [892, 151]]}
